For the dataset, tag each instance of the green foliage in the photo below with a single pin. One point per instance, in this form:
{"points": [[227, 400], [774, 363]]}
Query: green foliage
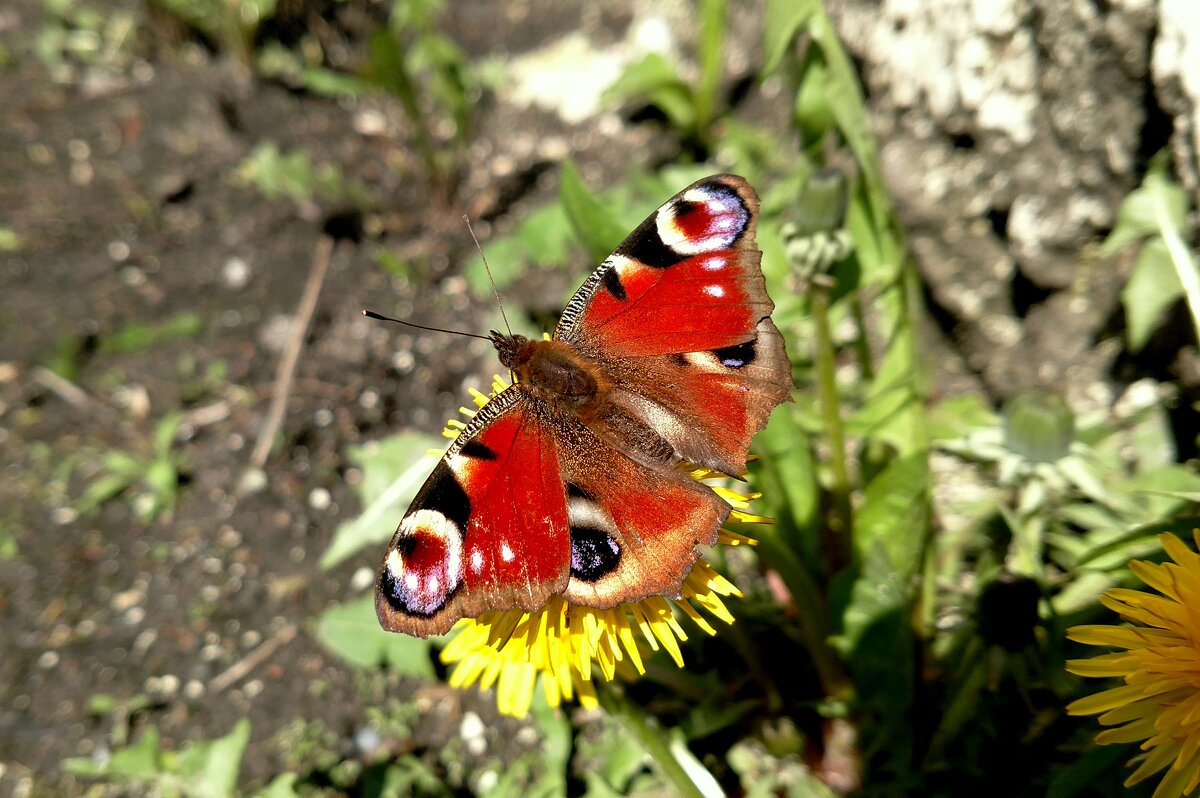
{"points": [[76, 34], [432, 80], [138, 336], [9, 240], [1155, 217], [692, 108], [207, 769], [550, 234], [294, 176], [152, 479], [392, 471], [352, 632], [230, 25], [903, 623]]}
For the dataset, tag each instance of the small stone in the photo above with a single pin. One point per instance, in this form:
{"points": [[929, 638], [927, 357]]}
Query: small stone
{"points": [[319, 499], [362, 579], [472, 732], [252, 481], [235, 273]]}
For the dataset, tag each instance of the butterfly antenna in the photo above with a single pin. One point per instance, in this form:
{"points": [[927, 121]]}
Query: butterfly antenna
{"points": [[370, 314], [488, 269]]}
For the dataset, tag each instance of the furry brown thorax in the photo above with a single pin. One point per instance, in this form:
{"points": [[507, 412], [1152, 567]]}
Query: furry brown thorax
{"points": [[554, 371]]}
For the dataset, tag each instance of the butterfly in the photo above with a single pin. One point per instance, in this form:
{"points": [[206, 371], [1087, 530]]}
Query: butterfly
{"points": [[574, 480]]}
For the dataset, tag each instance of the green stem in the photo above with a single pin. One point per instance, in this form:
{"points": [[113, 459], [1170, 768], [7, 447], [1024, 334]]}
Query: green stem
{"points": [[839, 542], [713, 18], [652, 739], [862, 346]]}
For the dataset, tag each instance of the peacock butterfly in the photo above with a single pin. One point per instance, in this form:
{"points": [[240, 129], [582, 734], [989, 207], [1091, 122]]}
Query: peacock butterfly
{"points": [[570, 481]]}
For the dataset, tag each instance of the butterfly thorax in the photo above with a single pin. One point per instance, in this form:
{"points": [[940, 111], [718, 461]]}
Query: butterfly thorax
{"points": [[554, 371]]}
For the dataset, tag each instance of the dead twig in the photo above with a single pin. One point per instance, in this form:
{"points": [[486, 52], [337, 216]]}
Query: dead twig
{"points": [[242, 667], [291, 355], [63, 388]]}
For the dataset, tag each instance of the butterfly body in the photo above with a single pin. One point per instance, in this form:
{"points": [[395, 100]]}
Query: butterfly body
{"points": [[570, 481]]}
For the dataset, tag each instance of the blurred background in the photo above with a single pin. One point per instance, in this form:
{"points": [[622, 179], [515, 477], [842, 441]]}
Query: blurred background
{"points": [[197, 198]]}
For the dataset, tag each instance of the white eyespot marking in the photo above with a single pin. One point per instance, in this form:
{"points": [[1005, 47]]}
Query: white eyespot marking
{"points": [[506, 552], [620, 264], [586, 513], [714, 290], [434, 543], [438, 528], [706, 361], [476, 561], [721, 212], [714, 264]]}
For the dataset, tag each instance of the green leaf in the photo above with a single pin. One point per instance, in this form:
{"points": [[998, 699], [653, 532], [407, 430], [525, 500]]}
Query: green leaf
{"points": [[9, 240], [164, 434], [352, 631], [1138, 216], [1152, 288], [713, 22], [1098, 765], [330, 83], [282, 786], [101, 491], [789, 481], [211, 768], [655, 80], [956, 416], [642, 78], [543, 238], [1182, 527], [1163, 491], [593, 224], [894, 514], [137, 762], [393, 469], [138, 336], [782, 21]]}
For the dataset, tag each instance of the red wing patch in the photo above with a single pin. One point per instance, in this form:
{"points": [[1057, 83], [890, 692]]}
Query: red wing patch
{"points": [[634, 530], [703, 302], [709, 404], [488, 528], [687, 279]]}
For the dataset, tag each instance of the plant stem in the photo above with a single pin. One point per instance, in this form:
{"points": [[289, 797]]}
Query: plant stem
{"points": [[839, 543], [862, 346], [652, 739]]}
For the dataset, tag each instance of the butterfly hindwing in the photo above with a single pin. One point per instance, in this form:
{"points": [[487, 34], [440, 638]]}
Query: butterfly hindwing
{"points": [[489, 527], [634, 530]]}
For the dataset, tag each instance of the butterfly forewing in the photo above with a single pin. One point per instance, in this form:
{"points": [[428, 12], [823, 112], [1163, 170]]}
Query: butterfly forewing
{"points": [[679, 316], [489, 527]]}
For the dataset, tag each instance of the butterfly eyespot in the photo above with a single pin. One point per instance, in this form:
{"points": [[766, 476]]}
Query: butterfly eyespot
{"points": [[707, 217], [715, 290], [594, 553], [424, 567], [737, 356]]}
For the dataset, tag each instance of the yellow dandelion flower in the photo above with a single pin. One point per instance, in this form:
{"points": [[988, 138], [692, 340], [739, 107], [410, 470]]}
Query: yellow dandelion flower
{"points": [[567, 647], [1159, 704]]}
